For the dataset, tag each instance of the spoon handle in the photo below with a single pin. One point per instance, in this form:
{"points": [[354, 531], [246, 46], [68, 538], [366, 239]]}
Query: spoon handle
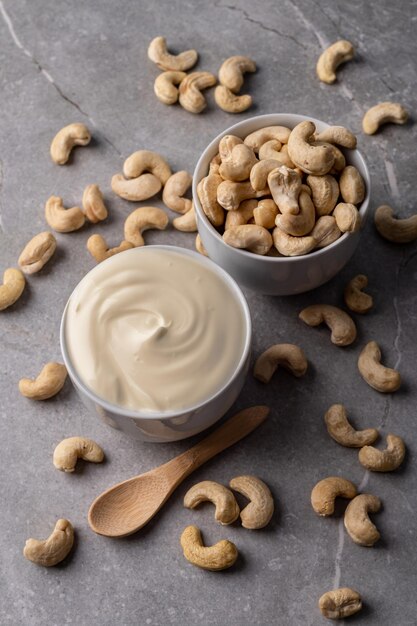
{"points": [[234, 429]]}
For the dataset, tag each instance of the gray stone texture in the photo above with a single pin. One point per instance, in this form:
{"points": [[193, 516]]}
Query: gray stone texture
{"points": [[86, 61]]}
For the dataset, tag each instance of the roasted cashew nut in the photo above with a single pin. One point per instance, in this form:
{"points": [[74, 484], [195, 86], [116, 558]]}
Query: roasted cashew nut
{"points": [[227, 509], [260, 172], [347, 217], [175, 188], [48, 383], [230, 102], [231, 194], [141, 219], [165, 86], [158, 53], [239, 163], [68, 451], [207, 194], [325, 192], [288, 245], [221, 555], [383, 113], [327, 490], [199, 246], [329, 60], [338, 135], [63, 220], [301, 224], [340, 603], [379, 377], [286, 355], [136, 189], [325, 231], [98, 248], [259, 511], [386, 460], [191, 98], [272, 150], [54, 549], [256, 139], [249, 237], [340, 323], [93, 204], [264, 214], [37, 252], [355, 299], [393, 229], [12, 288], [187, 222], [143, 161], [242, 215], [285, 186], [357, 523], [65, 139], [342, 431], [310, 159], [226, 145], [352, 185], [232, 70]]}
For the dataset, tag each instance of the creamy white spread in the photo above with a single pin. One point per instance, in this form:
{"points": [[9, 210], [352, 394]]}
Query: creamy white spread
{"points": [[154, 331]]}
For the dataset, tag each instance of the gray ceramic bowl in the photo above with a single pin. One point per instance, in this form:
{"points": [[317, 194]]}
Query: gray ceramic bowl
{"points": [[162, 427], [279, 276]]}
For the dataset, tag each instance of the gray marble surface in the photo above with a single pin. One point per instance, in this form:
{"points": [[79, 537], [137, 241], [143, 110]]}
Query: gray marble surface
{"points": [[86, 61]]}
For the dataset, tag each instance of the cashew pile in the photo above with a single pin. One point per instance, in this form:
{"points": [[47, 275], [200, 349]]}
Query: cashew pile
{"points": [[283, 191]]}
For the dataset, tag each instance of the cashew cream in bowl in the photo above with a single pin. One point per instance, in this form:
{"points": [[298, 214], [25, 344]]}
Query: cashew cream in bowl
{"points": [[156, 332]]}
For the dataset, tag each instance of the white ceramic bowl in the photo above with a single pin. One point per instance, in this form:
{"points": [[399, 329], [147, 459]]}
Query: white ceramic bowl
{"points": [[278, 276], [162, 427]]}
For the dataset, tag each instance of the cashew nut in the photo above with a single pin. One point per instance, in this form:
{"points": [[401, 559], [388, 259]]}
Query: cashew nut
{"points": [[343, 432], [352, 185], [347, 217], [256, 139], [238, 164], [63, 220], [72, 135], [340, 323], [174, 190], [288, 245], [286, 355], [258, 513], [271, 150], [355, 299], [226, 145], [356, 520], [231, 194], [379, 377], [146, 161], [325, 231], [301, 224], [136, 189], [285, 185], [227, 509], [325, 192], [98, 248], [264, 214], [232, 70], [260, 172], [249, 237], [242, 215], [340, 603], [393, 229], [221, 555], [158, 53], [48, 383], [93, 204], [37, 252], [329, 60], [54, 549], [338, 135], [207, 194], [165, 86], [327, 490], [12, 287], [386, 460], [383, 113], [141, 219], [191, 98], [230, 102], [69, 450], [309, 158], [187, 222], [200, 247]]}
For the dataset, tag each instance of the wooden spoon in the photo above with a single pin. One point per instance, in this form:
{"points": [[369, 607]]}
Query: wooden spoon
{"points": [[128, 506]]}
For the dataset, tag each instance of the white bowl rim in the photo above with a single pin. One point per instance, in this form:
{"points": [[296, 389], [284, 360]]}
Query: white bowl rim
{"points": [[276, 259], [165, 415]]}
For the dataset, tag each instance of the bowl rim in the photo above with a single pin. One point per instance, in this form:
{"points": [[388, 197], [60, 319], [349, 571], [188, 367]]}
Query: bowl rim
{"points": [[364, 207], [231, 284]]}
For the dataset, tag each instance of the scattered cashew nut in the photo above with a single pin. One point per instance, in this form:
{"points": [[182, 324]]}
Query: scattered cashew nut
{"points": [[357, 523], [347, 217], [232, 70], [230, 102], [141, 219], [174, 190], [379, 377], [165, 86], [355, 299], [310, 159], [393, 229], [69, 450], [136, 189], [93, 204], [187, 222], [158, 53], [340, 603], [146, 161], [259, 511], [48, 383], [98, 248], [37, 252], [191, 98], [286, 355], [340, 323], [63, 220], [381, 114], [227, 509], [12, 288], [386, 460], [54, 549], [329, 60], [249, 237], [325, 192], [72, 135], [221, 555], [327, 490], [343, 432]]}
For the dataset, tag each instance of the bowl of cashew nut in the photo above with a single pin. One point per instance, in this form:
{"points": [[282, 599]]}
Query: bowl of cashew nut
{"points": [[280, 201]]}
